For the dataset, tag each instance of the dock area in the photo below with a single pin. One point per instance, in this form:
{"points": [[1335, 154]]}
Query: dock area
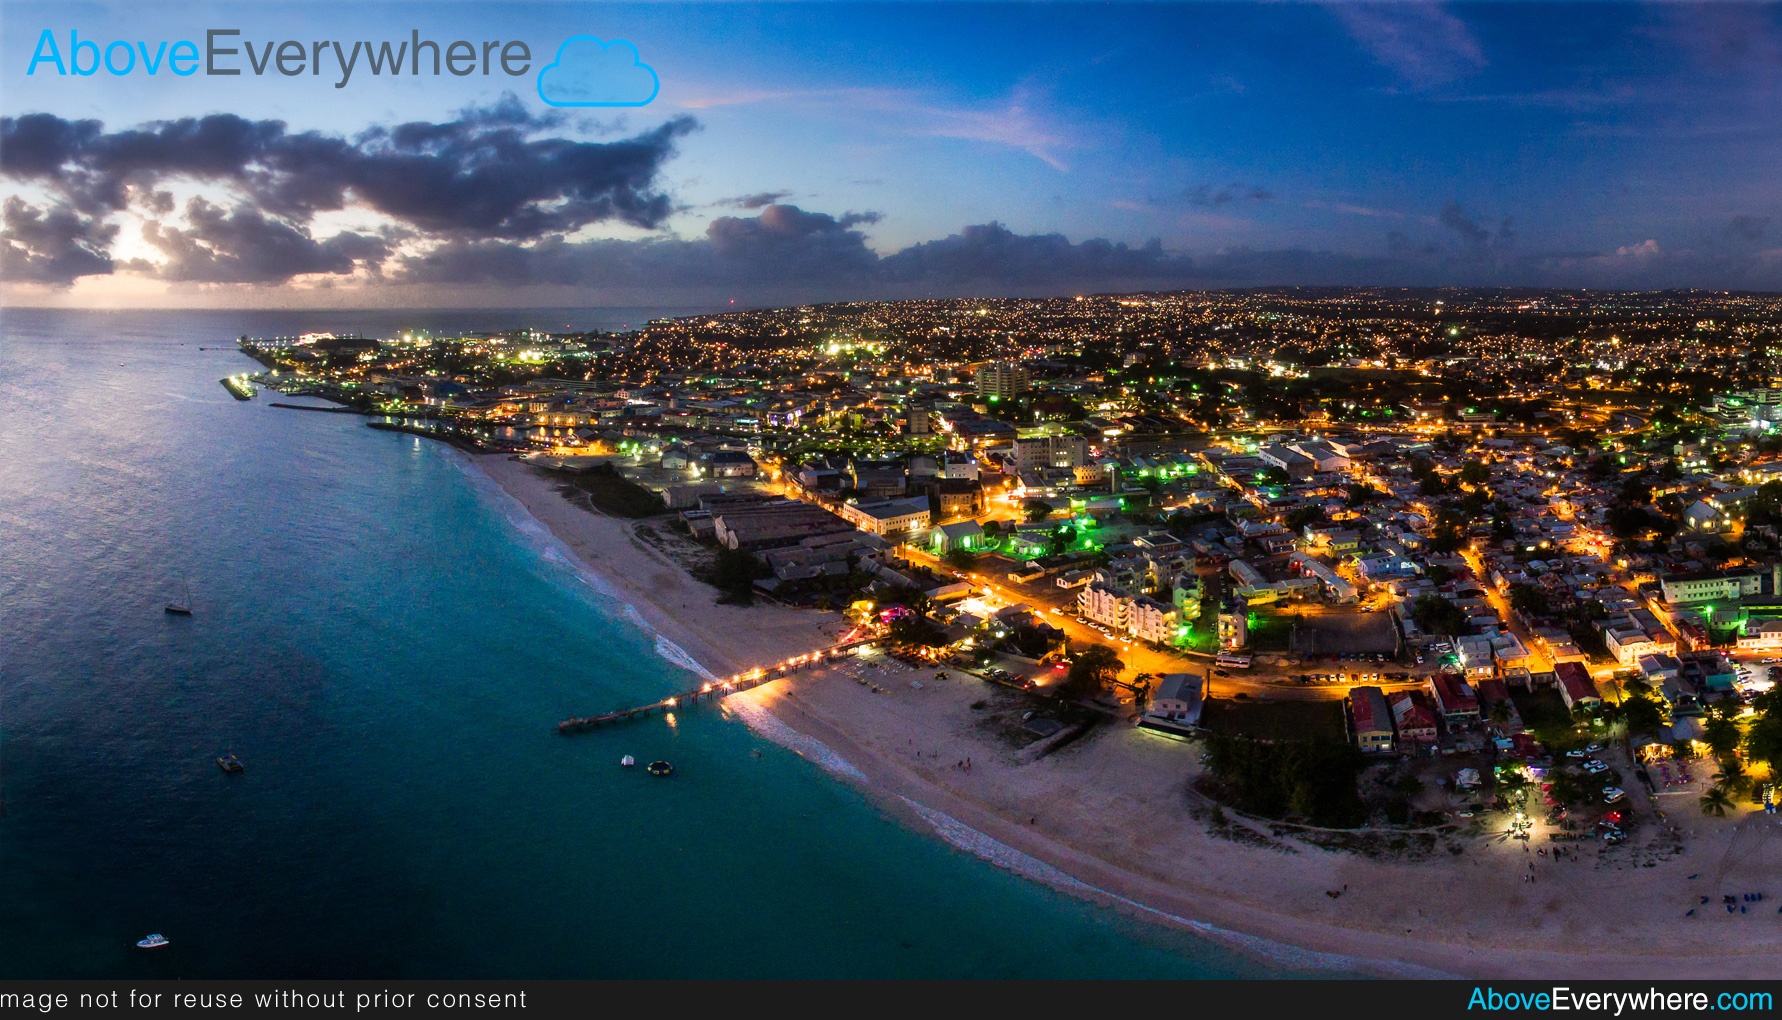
{"points": [[714, 689], [238, 387]]}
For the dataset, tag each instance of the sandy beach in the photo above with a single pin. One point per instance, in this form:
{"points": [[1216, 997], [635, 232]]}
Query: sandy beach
{"points": [[1110, 817]]}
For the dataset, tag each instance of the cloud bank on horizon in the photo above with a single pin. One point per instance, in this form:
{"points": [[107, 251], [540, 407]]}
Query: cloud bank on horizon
{"points": [[1394, 144]]}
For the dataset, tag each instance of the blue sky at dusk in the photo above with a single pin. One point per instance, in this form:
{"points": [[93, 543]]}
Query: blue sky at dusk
{"points": [[818, 151]]}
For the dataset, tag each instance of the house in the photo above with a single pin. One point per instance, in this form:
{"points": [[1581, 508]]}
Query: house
{"points": [[1575, 686], [1454, 699], [1414, 720], [1177, 701], [1372, 719]]}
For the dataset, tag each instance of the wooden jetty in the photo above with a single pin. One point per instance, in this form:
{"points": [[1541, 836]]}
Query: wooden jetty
{"points": [[712, 689]]}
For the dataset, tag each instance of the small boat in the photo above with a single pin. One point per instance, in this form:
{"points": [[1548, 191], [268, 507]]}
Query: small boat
{"points": [[660, 768], [627, 761], [152, 942], [183, 607], [231, 764]]}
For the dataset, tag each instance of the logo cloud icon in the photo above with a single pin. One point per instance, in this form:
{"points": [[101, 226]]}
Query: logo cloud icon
{"points": [[588, 72]]}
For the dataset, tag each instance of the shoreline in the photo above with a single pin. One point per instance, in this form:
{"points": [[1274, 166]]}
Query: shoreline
{"points": [[1117, 830]]}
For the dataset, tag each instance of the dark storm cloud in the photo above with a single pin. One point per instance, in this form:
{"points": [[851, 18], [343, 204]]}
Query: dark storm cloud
{"points": [[245, 246], [784, 244], [1747, 228], [54, 246], [1206, 195], [1456, 219], [485, 174], [791, 247], [755, 201], [991, 253]]}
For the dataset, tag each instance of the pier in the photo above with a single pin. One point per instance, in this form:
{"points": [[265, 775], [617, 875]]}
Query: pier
{"points": [[713, 689]]}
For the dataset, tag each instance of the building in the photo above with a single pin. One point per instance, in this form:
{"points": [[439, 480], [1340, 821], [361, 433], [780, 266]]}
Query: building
{"points": [[1720, 586], [1147, 619], [1002, 380], [1477, 656], [1414, 720], [1372, 719], [1575, 686], [966, 535], [889, 517], [729, 464], [1065, 453], [1761, 636], [1103, 603], [1454, 699], [877, 479], [1177, 701], [768, 526]]}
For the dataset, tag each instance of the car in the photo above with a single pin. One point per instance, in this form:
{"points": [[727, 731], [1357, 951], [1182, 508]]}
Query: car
{"points": [[1576, 752], [1594, 748], [1616, 836], [1613, 794], [1220, 672]]}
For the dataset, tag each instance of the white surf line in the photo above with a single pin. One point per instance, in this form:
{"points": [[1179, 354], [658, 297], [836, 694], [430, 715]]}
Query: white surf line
{"points": [[966, 838]]}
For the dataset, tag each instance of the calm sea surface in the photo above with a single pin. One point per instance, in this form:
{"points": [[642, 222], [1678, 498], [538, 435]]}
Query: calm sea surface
{"points": [[386, 640]]}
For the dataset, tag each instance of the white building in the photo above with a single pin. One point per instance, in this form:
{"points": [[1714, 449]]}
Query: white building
{"points": [[890, 517]]}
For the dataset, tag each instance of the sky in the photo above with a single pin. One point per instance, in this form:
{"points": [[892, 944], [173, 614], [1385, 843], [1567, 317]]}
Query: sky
{"points": [[812, 151]]}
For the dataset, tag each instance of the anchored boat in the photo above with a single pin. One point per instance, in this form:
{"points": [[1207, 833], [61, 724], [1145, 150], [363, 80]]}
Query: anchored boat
{"points": [[152, 942], [627, 761]]}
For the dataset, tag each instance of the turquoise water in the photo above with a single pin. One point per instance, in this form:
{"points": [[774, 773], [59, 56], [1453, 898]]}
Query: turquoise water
{"points": [[386, 641]]}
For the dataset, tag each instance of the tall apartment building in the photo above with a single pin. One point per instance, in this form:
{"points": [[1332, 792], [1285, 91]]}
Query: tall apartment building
{"points": [[1065, 452], [1001, 380]]}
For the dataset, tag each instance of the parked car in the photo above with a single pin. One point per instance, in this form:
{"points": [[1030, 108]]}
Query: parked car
{"points": [[1613, 794]]}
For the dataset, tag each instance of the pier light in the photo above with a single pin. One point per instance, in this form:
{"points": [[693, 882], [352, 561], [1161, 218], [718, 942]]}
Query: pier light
{"points": [[670, 703]]}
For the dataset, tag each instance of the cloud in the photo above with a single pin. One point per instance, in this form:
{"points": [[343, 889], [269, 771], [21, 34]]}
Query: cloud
{"points": [[754, 201], [588, 72], [54, 247], [1420, 41], [1455, 218], [1747, 228], [1206, 195], [486, 173], [245, 246]]}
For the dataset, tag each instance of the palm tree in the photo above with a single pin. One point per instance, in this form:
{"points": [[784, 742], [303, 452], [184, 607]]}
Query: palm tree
{"points": [[1716, 801], [1731, 775]]}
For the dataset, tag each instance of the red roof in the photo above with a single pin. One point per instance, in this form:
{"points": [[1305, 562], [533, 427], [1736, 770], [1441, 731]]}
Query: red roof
{"points": [[1576, 681], [1452, 695]]}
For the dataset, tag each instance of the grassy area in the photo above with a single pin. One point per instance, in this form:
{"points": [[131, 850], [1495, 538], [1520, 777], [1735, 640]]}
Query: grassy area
{"points": [[1543, 711], [611, 493], [1275, 720], [1271, 632]]}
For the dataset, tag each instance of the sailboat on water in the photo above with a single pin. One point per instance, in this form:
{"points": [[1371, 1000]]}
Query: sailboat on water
{"points": [[183, 607]]}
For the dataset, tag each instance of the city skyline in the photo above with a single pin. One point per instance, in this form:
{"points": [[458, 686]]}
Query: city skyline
{"points": [[819, 153]]}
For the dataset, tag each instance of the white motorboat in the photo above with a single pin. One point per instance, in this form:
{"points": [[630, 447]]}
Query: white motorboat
{"points": [[152, 942], [628, 761]]}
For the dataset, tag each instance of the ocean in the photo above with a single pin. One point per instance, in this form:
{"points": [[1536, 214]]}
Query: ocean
{"points": [[386, 641]]}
